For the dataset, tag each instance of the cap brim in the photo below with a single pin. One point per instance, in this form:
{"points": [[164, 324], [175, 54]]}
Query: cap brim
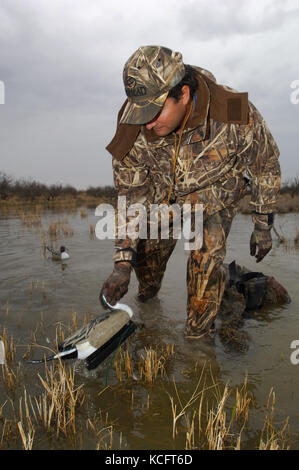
{"points": [[142, 112]]}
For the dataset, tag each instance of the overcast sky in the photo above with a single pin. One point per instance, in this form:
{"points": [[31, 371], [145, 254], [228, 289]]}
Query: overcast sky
{"points": [[61, 62]]}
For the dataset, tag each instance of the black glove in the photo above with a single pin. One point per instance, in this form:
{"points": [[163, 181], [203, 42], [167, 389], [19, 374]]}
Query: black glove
{"points": [[262, 240], [116, 286]]}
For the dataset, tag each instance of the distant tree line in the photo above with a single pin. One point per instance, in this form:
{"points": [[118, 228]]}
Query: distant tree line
{"points": [[30, 190], [290, 186]]}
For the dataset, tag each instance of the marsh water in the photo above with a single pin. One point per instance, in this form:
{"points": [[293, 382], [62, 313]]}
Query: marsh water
{"points": [[33, 288]]}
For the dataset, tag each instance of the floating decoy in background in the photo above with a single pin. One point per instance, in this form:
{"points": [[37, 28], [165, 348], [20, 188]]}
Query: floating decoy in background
{"points": [[99, 338], [2, 353], [60, 255]]}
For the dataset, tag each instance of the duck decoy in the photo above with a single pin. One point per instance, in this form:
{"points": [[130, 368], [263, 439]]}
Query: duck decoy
{"points": [[60, 255], [98, 339]]}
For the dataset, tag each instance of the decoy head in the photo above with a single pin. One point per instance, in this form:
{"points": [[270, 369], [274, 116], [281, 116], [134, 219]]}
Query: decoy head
{"points": [[117, 306]]}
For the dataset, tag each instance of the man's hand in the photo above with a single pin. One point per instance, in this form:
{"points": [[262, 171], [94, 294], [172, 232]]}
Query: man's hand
{"points": [[116, 286], [262, 240]]}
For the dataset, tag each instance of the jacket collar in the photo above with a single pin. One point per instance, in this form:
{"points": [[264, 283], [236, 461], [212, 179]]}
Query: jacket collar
{"points": [[212, 100], [198, 116]]}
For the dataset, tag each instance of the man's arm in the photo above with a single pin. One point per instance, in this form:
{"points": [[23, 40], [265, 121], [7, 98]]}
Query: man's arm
{"points": [[133, 184], [264, 172]]}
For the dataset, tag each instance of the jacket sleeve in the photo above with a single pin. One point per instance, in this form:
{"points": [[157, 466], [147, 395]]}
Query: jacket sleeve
{"points": [[135, 194], [263, 169]]}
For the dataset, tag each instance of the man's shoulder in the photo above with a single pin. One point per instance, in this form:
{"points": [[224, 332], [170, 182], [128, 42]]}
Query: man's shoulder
{"points": [[205, 72]]}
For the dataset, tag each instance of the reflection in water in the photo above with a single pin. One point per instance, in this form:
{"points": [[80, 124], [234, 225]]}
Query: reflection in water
{"points": [[38, 294]]}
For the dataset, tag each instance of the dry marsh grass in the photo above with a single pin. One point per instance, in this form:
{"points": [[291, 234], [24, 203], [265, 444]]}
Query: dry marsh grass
{"points": [[150, 366], [56, 412], [83, 213], [286, 202], [60, 228], [56, 407], [32, 218], [92, 234], [9, 345], [218, 423]]}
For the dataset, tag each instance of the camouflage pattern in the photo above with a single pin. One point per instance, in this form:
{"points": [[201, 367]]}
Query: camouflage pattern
{"points": [[212, 163], [148, 76], [206, 276], [260, 241], [152, 258]]}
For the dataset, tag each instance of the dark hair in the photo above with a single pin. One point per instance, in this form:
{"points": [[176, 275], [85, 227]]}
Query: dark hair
{"points": [[188, 79]]}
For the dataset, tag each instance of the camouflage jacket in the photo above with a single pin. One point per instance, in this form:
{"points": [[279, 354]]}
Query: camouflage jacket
{"points": [[214, 158]]}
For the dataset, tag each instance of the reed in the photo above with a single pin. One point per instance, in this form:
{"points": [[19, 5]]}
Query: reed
{"points": [[217, 430], [4, 424], [242, 404], [148, 368], [181, 409], [56, 407], [9, 345], [27, 440], [44, 243], [152, 365], [60, 228], [153, 362], [25, 425], [83, 213], [37, 286], [7, 308], [31, 219], [216, 425], [92, 232], [212, 417], [123, 364], [272, 438], [53, 414], [10, 377]]}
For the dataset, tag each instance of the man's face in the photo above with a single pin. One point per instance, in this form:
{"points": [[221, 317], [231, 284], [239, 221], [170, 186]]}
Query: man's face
{"points": [[170, 117]]}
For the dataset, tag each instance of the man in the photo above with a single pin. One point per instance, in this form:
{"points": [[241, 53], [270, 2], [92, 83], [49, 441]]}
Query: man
{"points": [[182, 138]]}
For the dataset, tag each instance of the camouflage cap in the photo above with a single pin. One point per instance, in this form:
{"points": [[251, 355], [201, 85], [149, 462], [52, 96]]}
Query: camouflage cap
{"points": [[148, 76]]}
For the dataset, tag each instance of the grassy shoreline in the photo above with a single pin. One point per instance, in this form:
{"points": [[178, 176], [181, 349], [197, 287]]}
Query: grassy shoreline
{"points": [[30, 193], [286, 202]]}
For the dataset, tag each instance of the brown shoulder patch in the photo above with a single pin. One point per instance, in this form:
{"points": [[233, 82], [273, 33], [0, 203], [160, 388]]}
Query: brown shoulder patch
{"points": [[234, 109]]}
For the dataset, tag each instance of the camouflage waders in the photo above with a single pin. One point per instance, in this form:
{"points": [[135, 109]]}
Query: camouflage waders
{"points": [[205, 274]]}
